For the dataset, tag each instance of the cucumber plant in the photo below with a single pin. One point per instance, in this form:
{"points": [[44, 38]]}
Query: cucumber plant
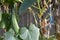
{"points": [[10, 23]]}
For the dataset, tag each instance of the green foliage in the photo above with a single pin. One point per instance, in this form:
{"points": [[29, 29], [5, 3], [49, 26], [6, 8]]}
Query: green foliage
{"points": [[14, 22], [30, 34], [10, 21], [26, 34], [10, 2], [1, 38], [9, 35], [6, 18]]}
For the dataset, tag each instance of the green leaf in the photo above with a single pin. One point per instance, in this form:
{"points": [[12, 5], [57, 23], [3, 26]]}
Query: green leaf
{"points": [[9, 35], [25, 5], [30, 34]]}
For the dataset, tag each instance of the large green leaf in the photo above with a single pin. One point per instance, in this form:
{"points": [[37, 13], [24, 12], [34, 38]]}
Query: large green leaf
{"points": [[10, 35], [30, 34], [25, 5]]}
